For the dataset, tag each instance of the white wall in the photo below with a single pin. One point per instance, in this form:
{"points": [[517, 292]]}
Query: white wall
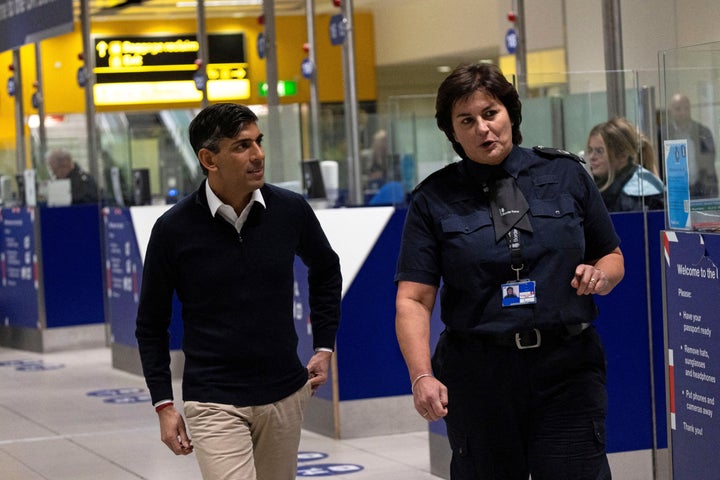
{"points": [[412, 30], [697, 21], [408, 31]]}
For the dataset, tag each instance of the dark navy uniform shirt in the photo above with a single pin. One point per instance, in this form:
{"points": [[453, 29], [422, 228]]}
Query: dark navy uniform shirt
{"points": [[448, 238]]}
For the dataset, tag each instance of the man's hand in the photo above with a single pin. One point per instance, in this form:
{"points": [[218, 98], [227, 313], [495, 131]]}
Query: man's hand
{"points": [[318, 368], [172, 431]]}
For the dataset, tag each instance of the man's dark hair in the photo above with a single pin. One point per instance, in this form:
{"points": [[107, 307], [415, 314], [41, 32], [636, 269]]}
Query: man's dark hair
{"points": [[213, 123], [467, 79]]}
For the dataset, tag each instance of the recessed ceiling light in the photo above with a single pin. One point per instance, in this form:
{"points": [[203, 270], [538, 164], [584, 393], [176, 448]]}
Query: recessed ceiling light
{"points": [[443, 69]]}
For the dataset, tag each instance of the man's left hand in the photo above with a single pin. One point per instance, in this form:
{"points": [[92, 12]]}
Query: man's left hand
{"points": [[318, 368]]}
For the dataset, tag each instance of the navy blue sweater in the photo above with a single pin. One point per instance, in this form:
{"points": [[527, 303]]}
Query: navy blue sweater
{"points": [[236, 292]]}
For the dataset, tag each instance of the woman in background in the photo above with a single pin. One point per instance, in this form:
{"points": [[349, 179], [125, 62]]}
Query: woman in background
{"points": [[616, 152]]}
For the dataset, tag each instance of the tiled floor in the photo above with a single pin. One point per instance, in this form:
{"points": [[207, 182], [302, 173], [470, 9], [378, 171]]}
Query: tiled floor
{"points": [[71, 416]]}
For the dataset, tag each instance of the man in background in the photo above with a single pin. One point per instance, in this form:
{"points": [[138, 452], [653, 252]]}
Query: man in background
{"points": [[701, 147], [83, 187]]}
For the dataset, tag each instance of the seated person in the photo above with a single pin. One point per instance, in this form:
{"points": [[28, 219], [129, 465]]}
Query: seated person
{"points": [[615, 152], [83, 187]]}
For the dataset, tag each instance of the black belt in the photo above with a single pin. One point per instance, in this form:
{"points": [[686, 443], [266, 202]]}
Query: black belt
{"points": [[534, 338]]}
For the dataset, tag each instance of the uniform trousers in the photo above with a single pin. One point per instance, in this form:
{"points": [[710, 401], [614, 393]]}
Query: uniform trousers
{"points": [[516, 413], [248, 443]]}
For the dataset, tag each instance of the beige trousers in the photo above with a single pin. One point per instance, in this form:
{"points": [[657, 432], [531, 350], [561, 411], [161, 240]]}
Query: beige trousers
{"points": [[248, 443]]}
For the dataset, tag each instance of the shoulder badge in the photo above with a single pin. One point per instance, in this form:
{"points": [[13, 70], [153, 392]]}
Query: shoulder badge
{"points": [[549, 152]]}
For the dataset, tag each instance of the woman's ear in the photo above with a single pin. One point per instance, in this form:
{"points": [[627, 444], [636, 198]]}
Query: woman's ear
{"points": [[207, 159]]}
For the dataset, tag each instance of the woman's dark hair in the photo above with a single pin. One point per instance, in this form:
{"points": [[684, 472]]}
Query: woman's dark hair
{"points": [[213, 123], [467, 79]]}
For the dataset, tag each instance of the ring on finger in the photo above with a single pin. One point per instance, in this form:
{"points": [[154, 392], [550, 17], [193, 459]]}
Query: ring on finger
{"points": [[426, 414]]}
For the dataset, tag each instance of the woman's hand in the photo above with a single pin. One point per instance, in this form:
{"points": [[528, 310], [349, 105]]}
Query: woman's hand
{"points": [[430, 397], [601, 276]]}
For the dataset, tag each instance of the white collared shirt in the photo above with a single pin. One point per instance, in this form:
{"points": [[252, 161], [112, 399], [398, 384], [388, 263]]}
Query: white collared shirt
{"points": [[227, 212]]}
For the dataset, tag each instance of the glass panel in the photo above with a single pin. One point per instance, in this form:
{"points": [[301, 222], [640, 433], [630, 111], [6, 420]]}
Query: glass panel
{"points": [[66, 184], [561, 117], [690, 120], [417, 141], [8, 171], [283, 144]]}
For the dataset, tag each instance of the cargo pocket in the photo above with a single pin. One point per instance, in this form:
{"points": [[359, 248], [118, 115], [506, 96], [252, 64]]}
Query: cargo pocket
{"points": [[462, 464], [599, 433]]}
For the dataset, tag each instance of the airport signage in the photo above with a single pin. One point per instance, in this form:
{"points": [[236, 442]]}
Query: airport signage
{"points": [[23, 22], [161, 69]]}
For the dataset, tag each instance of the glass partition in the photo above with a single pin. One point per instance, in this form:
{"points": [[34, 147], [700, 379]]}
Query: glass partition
{"points": [[690, 123], [558, 117], [8, 170], [145, 157]]}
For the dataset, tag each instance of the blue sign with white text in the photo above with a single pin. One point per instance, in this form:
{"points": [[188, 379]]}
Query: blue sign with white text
{"points": [[338, 30], [19, 280], [511, 40], [693, 355]]}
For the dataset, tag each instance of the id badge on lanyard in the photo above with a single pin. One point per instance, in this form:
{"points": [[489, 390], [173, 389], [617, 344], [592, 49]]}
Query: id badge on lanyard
{"points": [[517, 291]]}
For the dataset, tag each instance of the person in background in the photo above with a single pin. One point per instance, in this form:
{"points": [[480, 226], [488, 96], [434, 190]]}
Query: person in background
{"points": [[227, 251], [375, 163], [521, 387], [701, 147], [615, 150], [83, 187]]}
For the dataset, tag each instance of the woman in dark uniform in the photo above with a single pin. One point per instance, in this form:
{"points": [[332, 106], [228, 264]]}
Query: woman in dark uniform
{"points": [[521, 385]]}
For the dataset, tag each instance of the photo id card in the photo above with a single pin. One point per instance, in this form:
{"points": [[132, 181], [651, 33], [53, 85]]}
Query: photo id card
{"points": [[521, 292]]}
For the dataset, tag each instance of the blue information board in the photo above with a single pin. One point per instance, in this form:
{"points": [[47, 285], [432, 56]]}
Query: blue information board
{"points": [[19, 268], [123, 268], [692, 288], [337, 29]]}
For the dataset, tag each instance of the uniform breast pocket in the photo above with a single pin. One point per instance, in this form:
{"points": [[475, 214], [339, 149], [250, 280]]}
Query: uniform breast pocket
{"points": [[557, 224], [468, 242]]}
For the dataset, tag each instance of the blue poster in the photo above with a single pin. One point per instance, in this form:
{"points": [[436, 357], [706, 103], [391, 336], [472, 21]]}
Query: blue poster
{"points": [[303, 328], [678, 184], [693, 354], [19, 268], [123, 268]]}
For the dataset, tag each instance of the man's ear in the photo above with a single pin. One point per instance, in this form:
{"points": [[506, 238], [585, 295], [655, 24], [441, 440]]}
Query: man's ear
{"points": [[207, 159]]}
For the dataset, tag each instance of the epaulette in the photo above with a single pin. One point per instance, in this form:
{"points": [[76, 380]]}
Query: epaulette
{"points": [[549, 152]]}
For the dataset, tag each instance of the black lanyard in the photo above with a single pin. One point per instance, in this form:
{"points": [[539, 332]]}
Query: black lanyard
{"points": [[516, 260]]}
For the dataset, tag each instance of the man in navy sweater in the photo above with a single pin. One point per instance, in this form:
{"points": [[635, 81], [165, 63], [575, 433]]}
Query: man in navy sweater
{"points": [[228, 251]]}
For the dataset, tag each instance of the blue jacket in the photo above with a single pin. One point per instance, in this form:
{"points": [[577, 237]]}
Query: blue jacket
{"points": [[449, 239]]}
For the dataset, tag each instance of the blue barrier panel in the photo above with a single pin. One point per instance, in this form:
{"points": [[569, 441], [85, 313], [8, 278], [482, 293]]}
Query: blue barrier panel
{"points": [[123, 271], [369, 359], [72, 265]]}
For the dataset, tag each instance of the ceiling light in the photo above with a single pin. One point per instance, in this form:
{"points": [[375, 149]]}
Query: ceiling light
{"points": [[444, 69]]}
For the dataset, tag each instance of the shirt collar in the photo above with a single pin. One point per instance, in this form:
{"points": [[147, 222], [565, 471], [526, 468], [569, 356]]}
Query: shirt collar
{"points": [[215, 203]]}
